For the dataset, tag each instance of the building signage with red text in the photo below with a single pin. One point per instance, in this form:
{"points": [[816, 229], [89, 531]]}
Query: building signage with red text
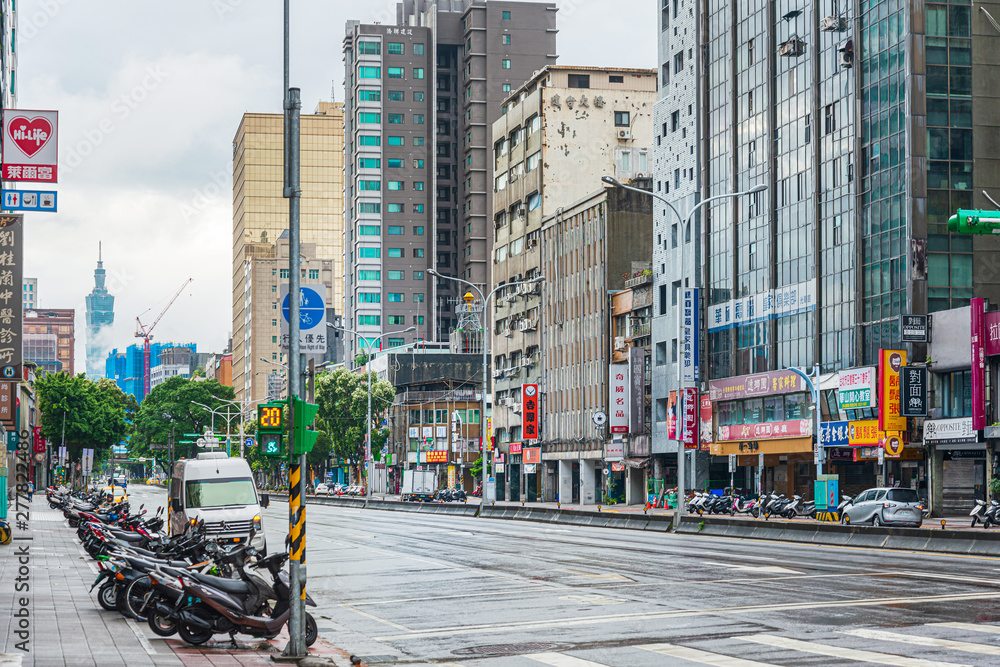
{"points": [[795, 428], [30, 145]]}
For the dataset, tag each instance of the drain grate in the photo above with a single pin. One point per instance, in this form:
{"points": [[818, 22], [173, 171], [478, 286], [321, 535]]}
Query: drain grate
{"points": [[507, 649]]}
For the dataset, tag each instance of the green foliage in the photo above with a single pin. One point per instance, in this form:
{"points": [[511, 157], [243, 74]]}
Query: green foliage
{"points": [[173, 404], [361, 359], [342, 397], [96, 413], [995, 487]]}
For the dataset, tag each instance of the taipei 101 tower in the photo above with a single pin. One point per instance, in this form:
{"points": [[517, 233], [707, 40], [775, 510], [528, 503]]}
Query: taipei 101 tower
{"points": [[100, 318]]}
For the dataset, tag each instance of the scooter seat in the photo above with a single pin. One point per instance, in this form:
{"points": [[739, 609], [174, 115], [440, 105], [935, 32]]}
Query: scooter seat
{"points": [[228, 585], [128, 537]]}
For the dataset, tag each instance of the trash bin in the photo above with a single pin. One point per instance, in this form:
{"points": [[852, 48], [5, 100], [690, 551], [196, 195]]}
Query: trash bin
{"points": [[672, 500]]}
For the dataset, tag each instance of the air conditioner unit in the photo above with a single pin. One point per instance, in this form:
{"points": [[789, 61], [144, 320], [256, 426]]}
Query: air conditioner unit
{"points": [[846, 59], [624, 134], [516, 407], [793, 47], [620, 343], [831, 24], [520, 211], [531, 244]]}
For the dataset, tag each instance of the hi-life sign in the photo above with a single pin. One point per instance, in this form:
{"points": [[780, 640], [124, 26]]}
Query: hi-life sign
{"points": [[312, 318], [857, 388], [30, 145]]}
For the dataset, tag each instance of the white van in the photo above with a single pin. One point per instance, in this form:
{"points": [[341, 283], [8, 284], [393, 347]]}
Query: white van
{"points": [[220, 490]]}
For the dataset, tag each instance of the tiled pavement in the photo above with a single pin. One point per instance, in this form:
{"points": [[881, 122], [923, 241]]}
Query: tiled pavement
{"points": [[67, 628]]}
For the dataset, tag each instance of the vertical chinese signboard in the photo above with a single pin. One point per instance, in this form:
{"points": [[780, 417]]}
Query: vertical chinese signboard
{"points": [[690, 407], [978, 307], [11, 314], [618, 398], [689, 336], [529, 411], [913, 391], [30, 147], [706, 422], [8, 391], [889, 364], [637, 395]]}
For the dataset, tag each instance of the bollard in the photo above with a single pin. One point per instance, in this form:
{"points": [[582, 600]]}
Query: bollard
{"points": [[598, 508], [522, 503], [942, 524], [558, 505]]}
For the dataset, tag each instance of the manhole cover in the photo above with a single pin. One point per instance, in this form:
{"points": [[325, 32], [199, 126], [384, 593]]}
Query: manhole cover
{"points": [[507, 649]]}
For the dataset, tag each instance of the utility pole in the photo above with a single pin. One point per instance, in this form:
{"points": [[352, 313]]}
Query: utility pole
{"points": [[297, 485]]}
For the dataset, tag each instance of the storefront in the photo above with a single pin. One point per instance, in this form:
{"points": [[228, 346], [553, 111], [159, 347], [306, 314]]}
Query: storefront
{"points": [[963, 462], [852, 452], [782, 465]]}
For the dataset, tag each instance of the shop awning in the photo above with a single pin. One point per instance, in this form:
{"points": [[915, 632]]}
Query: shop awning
{"points": [[770, 446], [637, 463]]}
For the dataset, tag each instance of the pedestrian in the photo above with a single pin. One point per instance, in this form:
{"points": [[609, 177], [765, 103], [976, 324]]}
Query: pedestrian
{"points": [[31, 490]]}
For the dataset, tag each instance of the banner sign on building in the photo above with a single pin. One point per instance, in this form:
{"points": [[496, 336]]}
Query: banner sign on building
{"points": [[637, 395], [11, 310], [706, 420], [834, 434], [913, 391], [312, 319], [775, 304], [437, 456], [532, 454], [857, 388], [913, 328], [614, 449], [950, 431], [752, 386], [8, 392], [529, 411], [978, 308], [514, 448], [39, 441], [992, 337], [690, 418], [30, 145], [689, 336], [783, 429], [889, 363], [30, 200], [618, 410], [864, 432], [489, 434]]}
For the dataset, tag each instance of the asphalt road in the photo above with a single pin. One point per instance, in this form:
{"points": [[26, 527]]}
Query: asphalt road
{"points": [[404, 588]]}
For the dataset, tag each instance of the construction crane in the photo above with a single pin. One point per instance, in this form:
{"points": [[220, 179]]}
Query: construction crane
{"points": [[146, 334]]}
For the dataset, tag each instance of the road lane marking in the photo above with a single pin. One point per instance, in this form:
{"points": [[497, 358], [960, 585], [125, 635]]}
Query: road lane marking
{"points": [[376, 618], [610, 576], [681, 613], [562, 660], [972, 627], [773, 569], [947, 577], [882, 635], [141, 637], [841, 652], [701, 657], [449, 597]]}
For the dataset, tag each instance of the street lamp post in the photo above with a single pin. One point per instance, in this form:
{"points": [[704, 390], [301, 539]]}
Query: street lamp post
{"points": [[681, 393], [485, 301], [369, 468]]}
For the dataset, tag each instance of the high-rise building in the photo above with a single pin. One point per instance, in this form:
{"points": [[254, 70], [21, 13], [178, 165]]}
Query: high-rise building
{"points": [[100, 319], [870, 124], [260, 217], [166, 360], [29, 291], [422, 96], [49, 339]]}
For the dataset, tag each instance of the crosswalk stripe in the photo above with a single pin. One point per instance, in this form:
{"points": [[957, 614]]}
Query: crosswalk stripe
{"points": [[562, 660], [701, 657], [842, 652], [968, 647], [972, 627]]}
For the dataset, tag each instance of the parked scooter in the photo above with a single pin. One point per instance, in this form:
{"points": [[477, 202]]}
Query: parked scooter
{"points": [[978, 512]]}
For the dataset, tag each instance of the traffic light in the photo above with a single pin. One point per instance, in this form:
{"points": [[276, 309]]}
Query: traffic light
{"points": [[974, 222], [303, 439], [271, 429]]}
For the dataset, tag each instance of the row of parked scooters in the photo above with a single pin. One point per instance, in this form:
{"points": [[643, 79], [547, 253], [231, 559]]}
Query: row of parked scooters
{"points": [[186, 584], [764, 505], [985, 513]]}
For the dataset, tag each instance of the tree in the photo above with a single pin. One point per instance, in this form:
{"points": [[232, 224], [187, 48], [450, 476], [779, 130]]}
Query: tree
{"points": [[342, 397], [172, 403]]}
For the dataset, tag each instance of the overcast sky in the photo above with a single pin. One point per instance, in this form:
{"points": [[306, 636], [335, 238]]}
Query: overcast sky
{"points": [[149, 96]]}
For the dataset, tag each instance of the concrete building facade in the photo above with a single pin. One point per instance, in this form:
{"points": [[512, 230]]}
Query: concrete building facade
{"points": [[421, 98], [49, 339], [260, 216], [29, 289]]}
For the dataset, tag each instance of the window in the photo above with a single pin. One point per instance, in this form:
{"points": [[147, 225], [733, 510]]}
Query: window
{"points": [[284, 274], [395, 163], [369, 118], [673, 237], [418, 97], [395, 73], [675, 121], [534, 124], [395, 118], [369, 140], [418, 319], [418, 231], [531, 162], [396, 49], [678, 62], [505, 39], [418, 252], [579, 81], [395, 230], [371, 186], [370, 95], [643, 162], [626, 161], [505, 63], [396, 319], [397, 96], [395, 252], [369, 72], [418, 119], [418, 275], [506, 15], [369, 163], [369, 275], [534, 201], [418, 49], [395, 297], [396, 275], [395, 208], [675, 290], [418, 186], [418, 72], [616, 79], [829, 119], [418, 164], [370, 48], [418, 297], [418, 208], [369, 208], [368, 230], [395, 185], [505, 88], [371, 253], [369, 297], [673, 350], [418, 141], [621, 119], [370, 320]]}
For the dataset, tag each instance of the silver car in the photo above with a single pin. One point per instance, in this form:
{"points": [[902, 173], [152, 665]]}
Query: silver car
{"points": [[885, 507]]}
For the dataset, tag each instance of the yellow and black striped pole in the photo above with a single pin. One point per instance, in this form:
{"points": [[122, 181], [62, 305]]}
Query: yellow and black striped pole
{"points": [[297, 517]]}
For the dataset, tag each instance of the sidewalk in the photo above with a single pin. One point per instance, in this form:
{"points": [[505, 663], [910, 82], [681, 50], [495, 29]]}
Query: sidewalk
{"points": [[49, 619]]}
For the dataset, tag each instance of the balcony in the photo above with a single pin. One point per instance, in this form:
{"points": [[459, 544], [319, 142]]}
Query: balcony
{"points": [[642, 279], [640, 330]]}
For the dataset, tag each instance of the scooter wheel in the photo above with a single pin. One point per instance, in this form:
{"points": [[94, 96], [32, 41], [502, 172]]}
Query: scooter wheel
{"points": [[192, 634], [107, 596], [312, 631], [135, 596], [973, 522], [163, 626]]}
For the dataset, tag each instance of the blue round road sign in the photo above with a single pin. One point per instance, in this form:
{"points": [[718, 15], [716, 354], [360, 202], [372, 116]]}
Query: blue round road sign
{"points": [[312, 310]]}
